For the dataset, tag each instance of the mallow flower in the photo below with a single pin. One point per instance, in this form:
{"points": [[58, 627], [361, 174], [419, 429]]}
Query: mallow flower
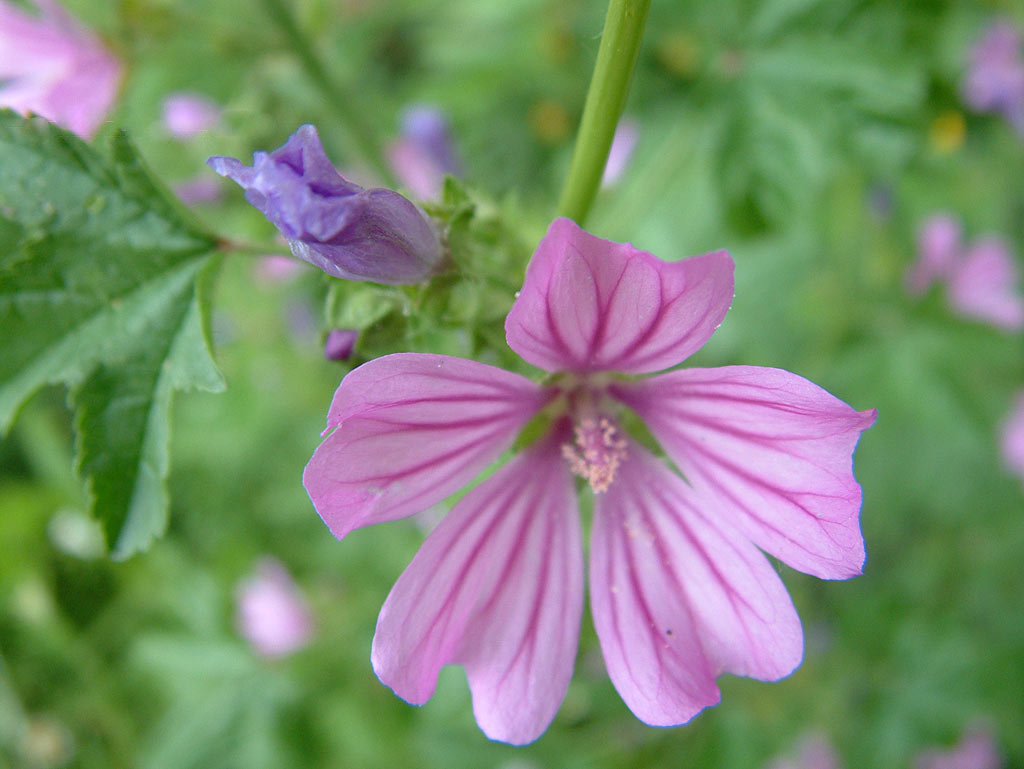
{"points": [[679, 590], [272, 614], [187, 114], [345, 230], [981, 279], [54, 67]]}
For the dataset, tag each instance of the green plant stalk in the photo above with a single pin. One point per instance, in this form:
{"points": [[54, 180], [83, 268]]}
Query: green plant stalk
{"points": [[338, 96], [609, 86]]}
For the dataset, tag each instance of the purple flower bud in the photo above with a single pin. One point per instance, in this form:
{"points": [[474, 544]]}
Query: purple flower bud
{"points": [[340, 343], [188, 114], [345, 230]]}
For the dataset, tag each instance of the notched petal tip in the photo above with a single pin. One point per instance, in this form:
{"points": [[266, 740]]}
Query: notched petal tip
{"points": [[774, 449], [590, 304], [497, 588]]}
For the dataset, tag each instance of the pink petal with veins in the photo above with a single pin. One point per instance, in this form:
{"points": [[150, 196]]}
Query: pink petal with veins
{"points": [[774, 450], [498, 588], [590, 304], [411, 430], [679, 598]]}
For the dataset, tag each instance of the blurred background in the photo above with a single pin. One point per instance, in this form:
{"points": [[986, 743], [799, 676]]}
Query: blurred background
{"points": [[834, 147]]}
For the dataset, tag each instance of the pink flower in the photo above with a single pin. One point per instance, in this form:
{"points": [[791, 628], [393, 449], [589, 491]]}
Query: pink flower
{"points": [[813, 752], [188, 114], [984, 285], [1013, 437], [272, 614], [53, 67], [678, 589], [981, 280], [977, 750]]}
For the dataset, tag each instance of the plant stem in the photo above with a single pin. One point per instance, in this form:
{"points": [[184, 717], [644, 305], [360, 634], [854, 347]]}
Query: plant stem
{"points": [[609, 86], [338, 96]]}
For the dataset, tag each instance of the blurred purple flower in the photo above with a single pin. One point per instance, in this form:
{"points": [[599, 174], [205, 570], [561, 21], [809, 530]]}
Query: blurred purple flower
{"points": [[976, 750], [198, 189], [345, 230], [52, 66], [627, 134], [1013, 437], [424, 154], [272, 614], [814, 751], [187, 114], [995, 74], [340, 343], [680, 592], [981, 280]]}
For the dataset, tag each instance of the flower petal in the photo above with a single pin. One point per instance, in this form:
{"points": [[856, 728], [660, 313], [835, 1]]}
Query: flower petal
{"points": [[498, 588], [678, 599], [590, 304], [774, 449], [412, 429]]}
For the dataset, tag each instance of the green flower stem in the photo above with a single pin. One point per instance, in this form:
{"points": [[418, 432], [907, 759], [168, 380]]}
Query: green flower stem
{"points": [[338, 96], [609, 86]]}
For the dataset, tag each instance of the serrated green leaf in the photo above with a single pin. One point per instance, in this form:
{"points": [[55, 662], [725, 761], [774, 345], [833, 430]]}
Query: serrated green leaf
{"points": [[103, 286]]}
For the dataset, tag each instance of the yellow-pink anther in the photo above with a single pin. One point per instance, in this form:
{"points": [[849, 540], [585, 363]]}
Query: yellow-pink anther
{"points": [[596, 453]]}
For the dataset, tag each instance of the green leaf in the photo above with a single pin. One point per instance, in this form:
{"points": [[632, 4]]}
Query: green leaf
{"points": [[103, 286]]}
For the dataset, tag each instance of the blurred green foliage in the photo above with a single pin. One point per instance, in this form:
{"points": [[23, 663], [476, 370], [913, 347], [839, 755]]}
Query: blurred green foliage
{"points": [[810, 137]]}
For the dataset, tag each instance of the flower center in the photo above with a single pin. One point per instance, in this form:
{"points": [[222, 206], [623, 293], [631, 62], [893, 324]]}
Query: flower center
{"points": [[597, 451]]}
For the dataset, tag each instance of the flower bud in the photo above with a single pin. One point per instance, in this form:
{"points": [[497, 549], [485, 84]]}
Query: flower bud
{"points": [[345, 230], [340, 343]]}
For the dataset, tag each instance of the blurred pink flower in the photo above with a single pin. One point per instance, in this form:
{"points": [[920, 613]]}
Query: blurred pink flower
{"points": [[995, 75], [424, 154], [278, 269], [984, 285], [187, 114], [627, 134], [52, 66], [939, 241], [1013, 437], [976, 750], [981, 280], [272, 614], [679, 592], [814, 751]]}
